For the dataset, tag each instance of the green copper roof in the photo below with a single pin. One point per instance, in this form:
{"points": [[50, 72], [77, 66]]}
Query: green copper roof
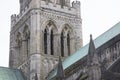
{"points": [[10, 74], [99, 41]]}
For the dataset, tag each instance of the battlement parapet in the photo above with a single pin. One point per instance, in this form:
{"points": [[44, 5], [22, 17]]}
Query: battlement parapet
{"points": [[57, 7], [74, 10], [15, 17]]}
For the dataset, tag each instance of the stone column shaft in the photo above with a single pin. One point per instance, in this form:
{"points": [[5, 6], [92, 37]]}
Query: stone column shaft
{"points": [[48, 44], [65, 47], [72, 46], [57, 44]]}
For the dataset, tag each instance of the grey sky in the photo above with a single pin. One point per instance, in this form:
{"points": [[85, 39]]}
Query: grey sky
{"points": [[97, 17]]}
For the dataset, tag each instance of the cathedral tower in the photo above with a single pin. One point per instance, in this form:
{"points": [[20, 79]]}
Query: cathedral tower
{"points": [[41, 32]]}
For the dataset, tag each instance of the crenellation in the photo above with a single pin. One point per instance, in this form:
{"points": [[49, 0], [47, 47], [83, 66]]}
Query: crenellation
{"points": [[57, 7], [13, 20], [16, 17], [76, 5]]}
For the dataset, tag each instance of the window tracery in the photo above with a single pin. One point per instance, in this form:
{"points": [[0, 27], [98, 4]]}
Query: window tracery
{"points": [[65, 40], [49, 38]]}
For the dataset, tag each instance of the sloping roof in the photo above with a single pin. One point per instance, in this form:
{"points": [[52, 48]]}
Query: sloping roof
{"points": [[10, 74], [99, 41]]}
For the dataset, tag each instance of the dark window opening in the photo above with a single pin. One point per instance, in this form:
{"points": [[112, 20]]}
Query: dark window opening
{"points": [[45, 41], [52, 43], [62, 45], [68, 44]]}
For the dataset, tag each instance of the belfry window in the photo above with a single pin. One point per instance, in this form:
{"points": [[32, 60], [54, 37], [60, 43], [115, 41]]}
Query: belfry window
{"points": [[52, 43], [68, 43], [45, 41], [62, 45]]}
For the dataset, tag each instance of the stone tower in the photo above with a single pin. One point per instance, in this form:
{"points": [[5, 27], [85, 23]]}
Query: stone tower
{"points": [[41, 32]]}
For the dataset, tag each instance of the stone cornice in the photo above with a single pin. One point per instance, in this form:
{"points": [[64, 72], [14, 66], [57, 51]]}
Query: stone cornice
{"points": [[51, 14]]}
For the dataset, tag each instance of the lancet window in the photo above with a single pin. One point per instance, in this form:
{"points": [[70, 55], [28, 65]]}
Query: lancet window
{"points": [[45, 41], [52, 42], [68, 44], [62, 44], [49, 38], [66, 41]]}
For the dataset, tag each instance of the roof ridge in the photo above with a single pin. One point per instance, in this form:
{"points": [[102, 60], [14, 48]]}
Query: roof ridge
{"points": [[114, 26]]}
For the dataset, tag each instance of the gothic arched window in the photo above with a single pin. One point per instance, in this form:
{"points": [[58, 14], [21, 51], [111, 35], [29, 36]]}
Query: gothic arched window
{"points": [[62, 45], [68, 43], [45, 41], [52, 43]]}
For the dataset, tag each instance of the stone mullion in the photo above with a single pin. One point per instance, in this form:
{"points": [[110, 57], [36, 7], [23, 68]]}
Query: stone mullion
{"points": [[72, 45], [57, 45], [65, 47], [48, 44]]}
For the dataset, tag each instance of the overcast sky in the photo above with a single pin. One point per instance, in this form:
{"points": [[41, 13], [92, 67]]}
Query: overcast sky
{"points": [[97, 17]]}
